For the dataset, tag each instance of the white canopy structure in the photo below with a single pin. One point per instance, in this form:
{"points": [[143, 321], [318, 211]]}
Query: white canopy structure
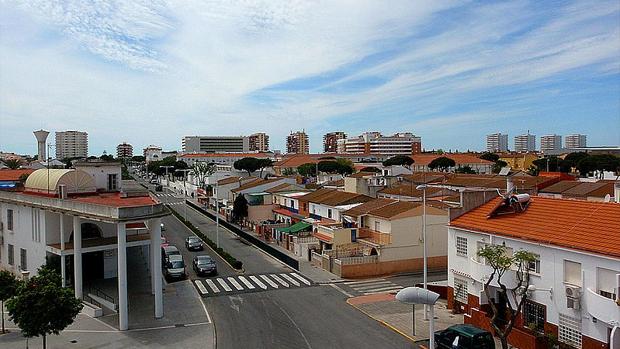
{"points": [[49, 180]]}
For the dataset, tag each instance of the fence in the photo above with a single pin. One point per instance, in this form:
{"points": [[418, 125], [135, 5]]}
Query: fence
{"points": [[283, 257], [357, 260], [317, 259]]}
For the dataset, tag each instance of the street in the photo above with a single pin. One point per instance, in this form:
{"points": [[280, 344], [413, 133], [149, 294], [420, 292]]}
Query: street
{"points": [[293, 316]]}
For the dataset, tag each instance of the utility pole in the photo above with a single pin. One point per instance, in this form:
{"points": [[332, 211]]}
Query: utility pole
{"points": [[423, 188]]}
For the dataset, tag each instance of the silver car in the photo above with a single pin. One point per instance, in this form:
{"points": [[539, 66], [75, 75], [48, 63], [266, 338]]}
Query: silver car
{"points": [[175, 267]]}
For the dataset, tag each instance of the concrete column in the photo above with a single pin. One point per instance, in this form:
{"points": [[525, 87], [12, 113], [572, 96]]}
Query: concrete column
{"points": [[77, 256], [123, 315], [152, 247], [63, 272], [156, 266]]}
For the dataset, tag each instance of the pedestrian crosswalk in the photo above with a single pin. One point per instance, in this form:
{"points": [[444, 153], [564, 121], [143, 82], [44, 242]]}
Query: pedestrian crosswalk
{"points": [[175, 203], [368, 287], [168, 195], [253, 283]]}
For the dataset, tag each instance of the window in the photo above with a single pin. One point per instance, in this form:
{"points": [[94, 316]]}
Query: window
{"points": [[534, 266], [329, 213], [112, 181], [377, 226], [11, 256], [534, 315], [570, 330], [572, 273], [460, 290], [292, 204], [9, 219], [461, 246], [606, 282], [23, 258]]}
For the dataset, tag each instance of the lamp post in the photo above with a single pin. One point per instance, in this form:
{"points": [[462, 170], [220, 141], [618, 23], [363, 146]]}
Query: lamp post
{"points": [[184, 192], [217, 209], [416, 295], [423, 188]]}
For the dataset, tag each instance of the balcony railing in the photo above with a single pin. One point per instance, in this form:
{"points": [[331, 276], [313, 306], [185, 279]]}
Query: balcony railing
{"points": [[373, 236], [602, 308]]}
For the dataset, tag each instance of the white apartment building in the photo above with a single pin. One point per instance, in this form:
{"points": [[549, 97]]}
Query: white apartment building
{"points": [[550, 143], [152, 153], [575, 141], [215, 144], [221, 158], [71, 144], [525, 143], [82, 219], [497, 142], [259, 142], [575, 279], [403, 143]]}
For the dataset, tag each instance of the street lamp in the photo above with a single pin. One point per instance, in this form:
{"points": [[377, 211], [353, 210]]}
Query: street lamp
{"points": [[423, 188], [184, 192], [416, 295]]}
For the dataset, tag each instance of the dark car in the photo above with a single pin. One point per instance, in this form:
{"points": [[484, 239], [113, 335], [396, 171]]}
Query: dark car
{"points": [[204, 265], [193, 243], [159, 187], [167, 251], [464, 337], [175, 267]]}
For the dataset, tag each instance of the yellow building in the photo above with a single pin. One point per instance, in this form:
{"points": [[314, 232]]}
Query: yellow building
{"points": [[519, 161]]}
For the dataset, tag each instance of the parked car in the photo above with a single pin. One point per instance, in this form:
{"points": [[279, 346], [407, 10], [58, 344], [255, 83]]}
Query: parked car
{"points": [[204, 265], [163, 227], [153, 181], [193, 243], [167, 251], [175, 267], [464, 337], [159, 187]]}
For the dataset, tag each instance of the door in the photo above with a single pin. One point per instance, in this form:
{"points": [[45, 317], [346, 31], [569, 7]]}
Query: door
{"points": [[92, 266]]}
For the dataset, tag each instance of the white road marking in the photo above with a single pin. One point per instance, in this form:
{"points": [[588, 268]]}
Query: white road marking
{"points": [[377, 284], [212, 285], [201, 287], [277, 278], [258, 282], [224, 285], [246, 282], [301, 278], [290, 279], [235, 283], [384, 291], [341, 290], [362, 282], [268, 280]]}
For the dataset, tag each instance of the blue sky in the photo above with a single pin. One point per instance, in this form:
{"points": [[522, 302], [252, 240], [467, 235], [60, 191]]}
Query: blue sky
{"points": [[150, 72]]}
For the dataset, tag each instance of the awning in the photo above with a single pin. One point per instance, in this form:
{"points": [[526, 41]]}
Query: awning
{"points": [[295, 228]]}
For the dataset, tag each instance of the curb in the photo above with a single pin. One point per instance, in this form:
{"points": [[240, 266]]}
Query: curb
{"points": [[383, 323]]}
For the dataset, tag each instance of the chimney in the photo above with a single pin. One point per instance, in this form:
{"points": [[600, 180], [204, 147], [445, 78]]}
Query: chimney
{"points": [[617, 192], [41, 136]]}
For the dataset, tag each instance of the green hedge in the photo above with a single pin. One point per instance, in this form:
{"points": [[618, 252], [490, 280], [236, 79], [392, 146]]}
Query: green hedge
{"points": [[237, 264]]}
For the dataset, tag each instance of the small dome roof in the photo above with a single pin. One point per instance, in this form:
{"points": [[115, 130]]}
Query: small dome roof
{"points": [[48, 181]]}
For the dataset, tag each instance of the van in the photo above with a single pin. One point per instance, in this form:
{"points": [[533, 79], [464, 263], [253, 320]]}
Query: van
{"points": [[464, 337]]}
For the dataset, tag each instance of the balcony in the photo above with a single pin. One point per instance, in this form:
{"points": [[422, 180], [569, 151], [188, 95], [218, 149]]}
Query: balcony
{"points": [[602, 308], [374, 237], [101, 244]]}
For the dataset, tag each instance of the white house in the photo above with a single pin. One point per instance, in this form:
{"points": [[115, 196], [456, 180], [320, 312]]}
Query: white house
{"points": [[576, 278], [89, 225]]}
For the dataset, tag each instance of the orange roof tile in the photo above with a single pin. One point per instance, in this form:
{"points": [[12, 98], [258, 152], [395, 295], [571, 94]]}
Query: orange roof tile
{"points": [[255, 183], [580, 225], [115, 200], [13, 175], [367, 207], [460, 159], [229, 180]]}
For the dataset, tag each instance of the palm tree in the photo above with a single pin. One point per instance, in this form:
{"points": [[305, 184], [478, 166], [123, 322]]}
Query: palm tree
{"points": [[13, 164]]}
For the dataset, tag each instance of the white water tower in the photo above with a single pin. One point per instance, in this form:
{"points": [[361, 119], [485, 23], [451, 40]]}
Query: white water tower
{"points": [[41, 136]]}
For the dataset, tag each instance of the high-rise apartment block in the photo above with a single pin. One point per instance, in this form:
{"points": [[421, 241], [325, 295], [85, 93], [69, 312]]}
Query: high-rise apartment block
{"points": [[550, 143], [330, 141], [216, 144], [259, 142], [575, 141], [297, 143], [525, 143], [71, 144], [497, 142], [403, 143], [124, 150]]}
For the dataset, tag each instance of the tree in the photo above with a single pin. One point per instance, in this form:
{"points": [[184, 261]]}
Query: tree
{"points": [[498, 165], [465, 169], [107, 157], [399, 160], [340, 166], [505, 313], [288, 171], [202, 171], [12, 164], [264, 163], [248, 164], [442, 164], [555, 164], [370, 169], [489, 157], [8, 288], [138, 158], [42, 306], [307, 170], [240, 207], [602, 162]]}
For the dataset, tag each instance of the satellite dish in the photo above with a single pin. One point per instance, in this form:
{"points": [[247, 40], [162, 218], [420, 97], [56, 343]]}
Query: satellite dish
{"points": [[607, 198], [505, 171]]}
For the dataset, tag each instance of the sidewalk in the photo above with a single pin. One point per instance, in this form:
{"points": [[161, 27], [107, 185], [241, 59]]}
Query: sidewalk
{"points": [[397, 316]]}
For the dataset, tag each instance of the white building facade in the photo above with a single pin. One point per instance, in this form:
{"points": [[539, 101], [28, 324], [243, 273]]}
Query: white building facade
{"points": [[497, 142], [71, 144]]}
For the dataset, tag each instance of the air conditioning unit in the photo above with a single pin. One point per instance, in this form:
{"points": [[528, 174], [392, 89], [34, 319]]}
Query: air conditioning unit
{"points": [[572, 303], [573, 291]]}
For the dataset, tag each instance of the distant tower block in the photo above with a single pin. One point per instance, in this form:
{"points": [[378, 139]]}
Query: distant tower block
{"points": [[41, 138]]}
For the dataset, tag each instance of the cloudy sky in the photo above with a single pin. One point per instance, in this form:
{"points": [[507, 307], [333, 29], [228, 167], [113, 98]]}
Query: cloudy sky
{"points": [[152, 71]]}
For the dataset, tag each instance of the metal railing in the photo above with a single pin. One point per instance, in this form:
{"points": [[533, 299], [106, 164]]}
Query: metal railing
{"points": [[99, 293]]}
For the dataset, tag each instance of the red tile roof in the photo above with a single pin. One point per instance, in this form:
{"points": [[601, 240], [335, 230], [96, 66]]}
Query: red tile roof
{"points": [[580, 225], [13, 175], [228, 180], [227, 155], [115, 200], [256, 183]]}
